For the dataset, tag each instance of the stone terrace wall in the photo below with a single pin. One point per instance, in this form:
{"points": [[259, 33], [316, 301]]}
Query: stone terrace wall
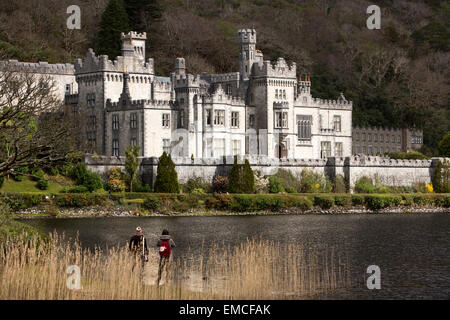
{"points": [[392, 172], [387, 171]]}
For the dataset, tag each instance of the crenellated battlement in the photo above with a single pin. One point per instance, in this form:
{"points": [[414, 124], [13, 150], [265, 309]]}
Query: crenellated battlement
{"points": [[133, 35], [371, 161], [225, 77], [370, 128], [188, 80], [42, 67], [333, 104], [220, 96], [279, 69], [160, 83], [247, 36], [93, 63], [137, 104]]}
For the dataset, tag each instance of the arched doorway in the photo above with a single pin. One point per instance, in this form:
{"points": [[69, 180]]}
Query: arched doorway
{"points": [[281, 151]]}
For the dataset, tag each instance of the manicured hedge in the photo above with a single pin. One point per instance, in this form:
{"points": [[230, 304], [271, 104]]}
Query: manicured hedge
{"points": [[325, 201], [165, 202], [343, 200], [376, 202], [79, 199]]}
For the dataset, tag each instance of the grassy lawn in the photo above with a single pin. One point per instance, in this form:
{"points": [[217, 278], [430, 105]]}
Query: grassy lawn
{"points": [[56, 184]]}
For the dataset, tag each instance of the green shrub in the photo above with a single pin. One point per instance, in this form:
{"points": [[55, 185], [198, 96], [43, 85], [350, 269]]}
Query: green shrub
{"points": [[181, 206], [83, 177], [364, 185], [304, 203], [408, 200], [438, 200], [275, 185], [196, 183], [343, 200], [424, 199], [37, 175], [290, 190], [66, 169], [376, 202], [54, 171], [42, 184], [446, 202], [2, 180], [198, 191], [325, 202], [288, 180], [219, 202], [151, 203], [382, 189], [79, 199], [78, 189], [357, 200], [18, 201], [264, 202], [404, 189], [20, 172], [312, 182], [242, 203], [141, 187], [339, 185]]}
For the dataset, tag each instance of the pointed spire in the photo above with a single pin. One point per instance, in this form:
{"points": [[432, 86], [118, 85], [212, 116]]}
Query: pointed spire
{"points": [[125, 96]]}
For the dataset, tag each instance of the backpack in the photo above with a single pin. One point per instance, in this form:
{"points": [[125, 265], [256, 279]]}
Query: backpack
{"points": [[164, 249]]}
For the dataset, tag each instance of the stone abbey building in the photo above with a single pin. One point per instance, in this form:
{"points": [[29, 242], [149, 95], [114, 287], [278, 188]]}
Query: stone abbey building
{"points": [[261, 110]]}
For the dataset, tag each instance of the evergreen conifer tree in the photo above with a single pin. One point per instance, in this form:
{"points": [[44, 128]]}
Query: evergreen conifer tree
{"points": [[441, 177], [132, 165], [114, 21], [248, 178], [166, 176], [235, 185], [143, 14]]}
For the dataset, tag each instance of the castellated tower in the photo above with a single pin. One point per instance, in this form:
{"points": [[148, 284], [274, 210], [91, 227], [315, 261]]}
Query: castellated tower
{"points": [[180, 66], [133, 43], [247, 51]]}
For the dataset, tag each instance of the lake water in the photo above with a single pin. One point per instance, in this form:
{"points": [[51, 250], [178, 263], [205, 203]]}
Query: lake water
{"points": [[412, 250]]}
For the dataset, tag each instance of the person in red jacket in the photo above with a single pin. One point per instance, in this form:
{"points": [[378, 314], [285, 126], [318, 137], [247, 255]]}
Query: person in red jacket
{"points": [[165, 245]]}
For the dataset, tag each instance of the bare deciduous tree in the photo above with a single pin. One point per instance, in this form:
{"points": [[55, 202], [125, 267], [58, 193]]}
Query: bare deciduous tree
{"points": [[35, 130]]}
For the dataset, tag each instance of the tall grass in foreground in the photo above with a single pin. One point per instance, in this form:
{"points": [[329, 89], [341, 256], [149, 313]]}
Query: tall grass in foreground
{"points": [[255, 269]]}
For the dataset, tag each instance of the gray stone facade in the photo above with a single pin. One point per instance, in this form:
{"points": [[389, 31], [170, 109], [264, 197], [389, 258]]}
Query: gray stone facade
{"points": [[63, 75], [379, 141], [262, 110]]}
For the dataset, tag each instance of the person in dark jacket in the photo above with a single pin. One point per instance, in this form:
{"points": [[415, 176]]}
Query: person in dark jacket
{"points": [[138, 246], [165, 245]]}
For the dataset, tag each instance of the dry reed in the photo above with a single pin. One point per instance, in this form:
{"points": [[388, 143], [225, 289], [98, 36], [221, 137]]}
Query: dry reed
{"points": [[255, 269]]}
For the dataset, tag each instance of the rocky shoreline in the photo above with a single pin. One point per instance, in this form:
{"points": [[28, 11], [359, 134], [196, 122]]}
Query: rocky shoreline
{"points": [[96, 211]]}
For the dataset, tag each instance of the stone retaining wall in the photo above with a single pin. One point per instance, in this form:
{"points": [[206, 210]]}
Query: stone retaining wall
{"points": [[387, 171]]}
